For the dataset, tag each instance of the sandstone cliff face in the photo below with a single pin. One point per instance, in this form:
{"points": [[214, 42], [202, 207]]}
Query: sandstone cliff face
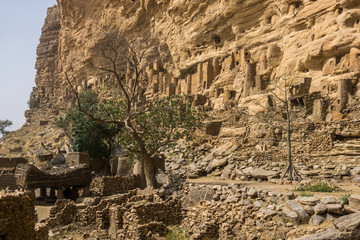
{"points": [[227, 52], [26, 141], [249, 42], [47, 81]]}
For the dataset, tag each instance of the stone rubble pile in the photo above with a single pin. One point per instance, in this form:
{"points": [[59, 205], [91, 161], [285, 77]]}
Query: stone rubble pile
{"points": [[331, 153], [239, 212], [234, 211]]}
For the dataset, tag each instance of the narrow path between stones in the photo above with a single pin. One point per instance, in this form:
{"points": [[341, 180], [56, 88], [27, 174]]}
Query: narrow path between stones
{"points": [[346, 187]]}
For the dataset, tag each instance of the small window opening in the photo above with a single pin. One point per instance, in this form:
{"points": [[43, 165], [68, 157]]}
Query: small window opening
{"points": [[217, 39], [268, 20]]}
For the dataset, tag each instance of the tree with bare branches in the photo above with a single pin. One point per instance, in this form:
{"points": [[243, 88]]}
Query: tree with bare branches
{"points": [[280, 114], [148, 124]]}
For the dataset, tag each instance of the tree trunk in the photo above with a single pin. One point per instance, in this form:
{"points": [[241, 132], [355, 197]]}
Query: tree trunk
{"points": [[148, 164], [139, 172], [290, 171], [149, 172]]}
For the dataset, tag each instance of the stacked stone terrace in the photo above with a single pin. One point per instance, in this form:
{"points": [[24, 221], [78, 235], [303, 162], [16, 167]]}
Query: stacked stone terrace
{"points": [[17, 217]]}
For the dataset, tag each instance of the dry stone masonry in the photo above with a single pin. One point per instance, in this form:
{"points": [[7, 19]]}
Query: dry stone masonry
{"points": [[17, 217], [106, 185]]}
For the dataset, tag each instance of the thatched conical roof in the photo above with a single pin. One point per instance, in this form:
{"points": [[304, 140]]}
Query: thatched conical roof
{"points": [[59, 159], [43, 151]]}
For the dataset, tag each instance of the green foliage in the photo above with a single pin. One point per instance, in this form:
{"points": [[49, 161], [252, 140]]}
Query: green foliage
{"points": [[95, 138], [345, 198], [33, 103], [3, 125], [177, 234], [317, 187], [306, 194], [161, 123], [158, 123]]}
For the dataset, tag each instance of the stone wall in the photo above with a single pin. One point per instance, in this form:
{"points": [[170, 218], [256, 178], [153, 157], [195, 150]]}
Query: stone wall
{"points": [[88, 215], [7, 180], [106, 185], [144, 218], [63, 213], [168, 212], [11, 163], [7, 171], [17, 217]]}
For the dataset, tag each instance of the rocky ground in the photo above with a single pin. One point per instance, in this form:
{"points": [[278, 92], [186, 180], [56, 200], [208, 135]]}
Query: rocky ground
{"points": [[248, 210], [231, 184]]}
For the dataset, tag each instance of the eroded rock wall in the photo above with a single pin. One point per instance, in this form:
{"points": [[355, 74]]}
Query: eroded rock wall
{"points": [[226, 53], [227, 49], [47, 80]]}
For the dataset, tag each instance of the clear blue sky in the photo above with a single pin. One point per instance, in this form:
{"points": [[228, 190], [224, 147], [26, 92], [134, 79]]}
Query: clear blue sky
{"points": [[20, 29]]}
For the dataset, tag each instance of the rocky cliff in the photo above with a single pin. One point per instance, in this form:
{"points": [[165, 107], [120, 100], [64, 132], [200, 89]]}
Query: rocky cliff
{"points": [[229, 52]]}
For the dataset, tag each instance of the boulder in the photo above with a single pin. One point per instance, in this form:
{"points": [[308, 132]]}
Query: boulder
{"points": [[348, 209], [219, 162], [223, 150], [355, 171], [227, 171], [90, 201], [233, 132], [319, 208], [297, 212], [252, 192], [308, 200], [334, 208], [260, 173], [265, 213], [247, 171], [329, 200], [195, 171], [138, 171], [354, 201], [161, 178], [290, 214], [350, 224], [309, 209], [332, 234], [196, 196], [316, 220], [350, 132]]}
